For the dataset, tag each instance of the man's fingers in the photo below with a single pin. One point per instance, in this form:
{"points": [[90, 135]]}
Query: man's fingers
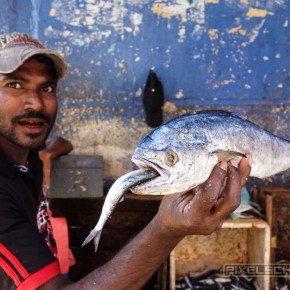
{"points": [[232, 194], [236, 179], [245, 169], [210, 191]]}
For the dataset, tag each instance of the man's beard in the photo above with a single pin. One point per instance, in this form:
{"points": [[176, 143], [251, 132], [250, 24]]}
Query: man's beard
{"points": [[35, 140]]}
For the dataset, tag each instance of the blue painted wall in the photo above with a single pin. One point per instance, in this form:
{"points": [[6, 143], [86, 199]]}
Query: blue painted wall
{"points": [[227, 54]]}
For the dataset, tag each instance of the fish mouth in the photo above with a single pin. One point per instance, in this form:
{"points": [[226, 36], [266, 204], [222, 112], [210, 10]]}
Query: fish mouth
{"points": [[149, 187], [148, 165]]}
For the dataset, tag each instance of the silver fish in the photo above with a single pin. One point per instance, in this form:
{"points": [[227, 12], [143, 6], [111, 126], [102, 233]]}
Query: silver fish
{"points": [[181, 154], [114, 196], [185, 150]]}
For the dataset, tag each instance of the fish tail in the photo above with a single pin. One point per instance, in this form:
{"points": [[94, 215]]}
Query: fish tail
{"points": [[97, 240], [92, 234]]}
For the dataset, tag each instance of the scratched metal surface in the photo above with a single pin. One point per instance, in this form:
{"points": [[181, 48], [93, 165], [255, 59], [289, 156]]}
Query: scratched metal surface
{"points": [[228, 54]]}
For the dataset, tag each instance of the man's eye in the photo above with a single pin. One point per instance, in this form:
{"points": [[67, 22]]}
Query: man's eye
{"points": [[14, 85], [48, 89]]}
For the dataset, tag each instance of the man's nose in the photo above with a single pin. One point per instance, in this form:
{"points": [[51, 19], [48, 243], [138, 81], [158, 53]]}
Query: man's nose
{"points": [[33, 101]]}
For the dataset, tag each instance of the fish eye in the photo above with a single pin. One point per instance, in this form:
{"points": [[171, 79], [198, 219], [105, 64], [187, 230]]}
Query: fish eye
{"points": [[171, 158]]}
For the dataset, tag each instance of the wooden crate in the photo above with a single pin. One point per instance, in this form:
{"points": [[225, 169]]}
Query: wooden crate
{"points": [[237, 242], [76, 176], [276, 204]]}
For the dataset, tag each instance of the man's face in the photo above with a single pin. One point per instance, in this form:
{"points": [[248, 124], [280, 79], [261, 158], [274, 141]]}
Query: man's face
{"points": [[28, 104]]}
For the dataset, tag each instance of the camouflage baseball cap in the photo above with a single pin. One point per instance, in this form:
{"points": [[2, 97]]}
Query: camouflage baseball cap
{"points": [[16, 48]]}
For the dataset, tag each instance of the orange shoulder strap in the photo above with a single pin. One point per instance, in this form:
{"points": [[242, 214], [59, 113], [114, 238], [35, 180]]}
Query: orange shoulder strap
{"points": [[61, 237], [60, 233]]}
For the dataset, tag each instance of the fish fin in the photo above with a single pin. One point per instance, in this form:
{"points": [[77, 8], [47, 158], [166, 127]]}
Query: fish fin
{"points": [[227, 155], [97, 240], [90, 237]]}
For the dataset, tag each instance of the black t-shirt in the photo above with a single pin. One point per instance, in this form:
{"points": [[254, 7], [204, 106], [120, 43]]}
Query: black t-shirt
{"points": [[26, 261]]}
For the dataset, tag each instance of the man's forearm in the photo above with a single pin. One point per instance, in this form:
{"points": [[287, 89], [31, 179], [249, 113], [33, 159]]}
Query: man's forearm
{"points": [[57, 146], [198, 212], [131, 268]]}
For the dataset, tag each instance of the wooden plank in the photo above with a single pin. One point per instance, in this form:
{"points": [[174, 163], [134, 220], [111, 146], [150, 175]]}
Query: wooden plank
{"points": [[244, 223], [276, 203], [245, 241]]}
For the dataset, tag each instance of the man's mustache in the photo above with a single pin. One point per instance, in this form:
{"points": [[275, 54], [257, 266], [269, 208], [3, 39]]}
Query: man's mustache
{"points": [[32, 115]]}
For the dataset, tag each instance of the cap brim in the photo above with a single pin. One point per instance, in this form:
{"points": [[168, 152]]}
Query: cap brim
{"points": [[9, 62]]}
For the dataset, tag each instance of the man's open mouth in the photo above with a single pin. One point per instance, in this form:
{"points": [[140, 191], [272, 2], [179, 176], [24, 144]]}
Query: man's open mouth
{"points": [[32, 123]]}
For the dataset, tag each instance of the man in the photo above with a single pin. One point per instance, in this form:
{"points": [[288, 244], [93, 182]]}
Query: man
{"points": [[28, 106]]}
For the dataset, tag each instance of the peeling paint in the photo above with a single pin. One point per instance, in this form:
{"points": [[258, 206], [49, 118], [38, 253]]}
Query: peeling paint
{"points": [[122, 67], [235, 29], [101, 17], [207, 53], [243, 32], [35, 18], [169, 107], [180, 8], [138, 92], [212, 1], [158, 8], [255, 32], [52, 12], [253, 12], [179, 95], [181, 34], [213, 34], [226, 82]]}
